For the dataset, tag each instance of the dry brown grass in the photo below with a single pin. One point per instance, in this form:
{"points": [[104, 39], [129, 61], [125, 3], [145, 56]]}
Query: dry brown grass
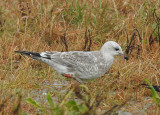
{"points": [[40, 26]]}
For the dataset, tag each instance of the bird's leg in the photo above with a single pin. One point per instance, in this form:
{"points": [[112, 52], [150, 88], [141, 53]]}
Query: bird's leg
{"points": [[78, 80], [67, 75], [75, 78]]}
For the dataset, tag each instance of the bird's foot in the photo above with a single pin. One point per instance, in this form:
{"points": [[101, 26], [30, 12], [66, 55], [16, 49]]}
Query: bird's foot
{"points": [[67, 75], [75, 78]]}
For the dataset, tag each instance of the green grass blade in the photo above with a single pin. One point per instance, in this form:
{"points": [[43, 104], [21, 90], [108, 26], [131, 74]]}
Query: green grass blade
{"points": [[50, 101], [83, 108], [155, 96], [66, 97], [33, 102]]}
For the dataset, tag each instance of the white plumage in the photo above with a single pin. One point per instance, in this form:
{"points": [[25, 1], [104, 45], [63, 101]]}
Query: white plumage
{"points": [[81, 65]]}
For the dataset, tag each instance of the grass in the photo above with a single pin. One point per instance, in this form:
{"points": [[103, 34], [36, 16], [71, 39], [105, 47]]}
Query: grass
{"points": [[154, 94], [72, 25]]}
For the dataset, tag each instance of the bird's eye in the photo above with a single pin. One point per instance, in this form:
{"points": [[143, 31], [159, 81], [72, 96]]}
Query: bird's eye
{"points": [[116, 49]]}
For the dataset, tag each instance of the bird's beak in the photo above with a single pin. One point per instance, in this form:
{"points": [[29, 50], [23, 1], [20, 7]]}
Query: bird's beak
{"points": [[125, 56]]}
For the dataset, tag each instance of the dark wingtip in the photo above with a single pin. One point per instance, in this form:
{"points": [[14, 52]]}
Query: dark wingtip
{"points": [[28, 53], [23, 52], [33, 54], [18, 51]]}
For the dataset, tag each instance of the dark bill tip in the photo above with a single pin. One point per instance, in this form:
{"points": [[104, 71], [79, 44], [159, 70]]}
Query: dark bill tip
{"points": [[126, 57]]}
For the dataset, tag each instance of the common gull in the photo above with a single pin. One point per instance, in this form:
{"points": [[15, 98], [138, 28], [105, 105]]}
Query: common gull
{"points": [[80, 65]]}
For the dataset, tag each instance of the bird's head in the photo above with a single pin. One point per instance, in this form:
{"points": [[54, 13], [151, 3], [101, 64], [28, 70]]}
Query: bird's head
{"points": [[113, 49]]}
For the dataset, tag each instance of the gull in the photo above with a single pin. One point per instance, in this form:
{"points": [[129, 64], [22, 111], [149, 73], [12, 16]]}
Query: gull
{"points": [[80, 65]]}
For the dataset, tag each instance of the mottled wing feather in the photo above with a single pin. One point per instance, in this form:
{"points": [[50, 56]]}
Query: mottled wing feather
{"points": [[73, 58], [82, 62], [86, 63], [56, 57], [77, 58]]}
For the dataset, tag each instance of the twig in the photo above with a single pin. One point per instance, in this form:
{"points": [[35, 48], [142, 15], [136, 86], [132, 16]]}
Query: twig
{"points": [[87, 39], [132, 43], [63, 38], [90, 41], [157, 20], [158, 24], [139, 46], [129, 46], [151, 40]]}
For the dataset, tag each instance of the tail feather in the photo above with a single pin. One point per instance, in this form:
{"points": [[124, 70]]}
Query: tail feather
{"points": [[34, 55], [29, 53]]}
